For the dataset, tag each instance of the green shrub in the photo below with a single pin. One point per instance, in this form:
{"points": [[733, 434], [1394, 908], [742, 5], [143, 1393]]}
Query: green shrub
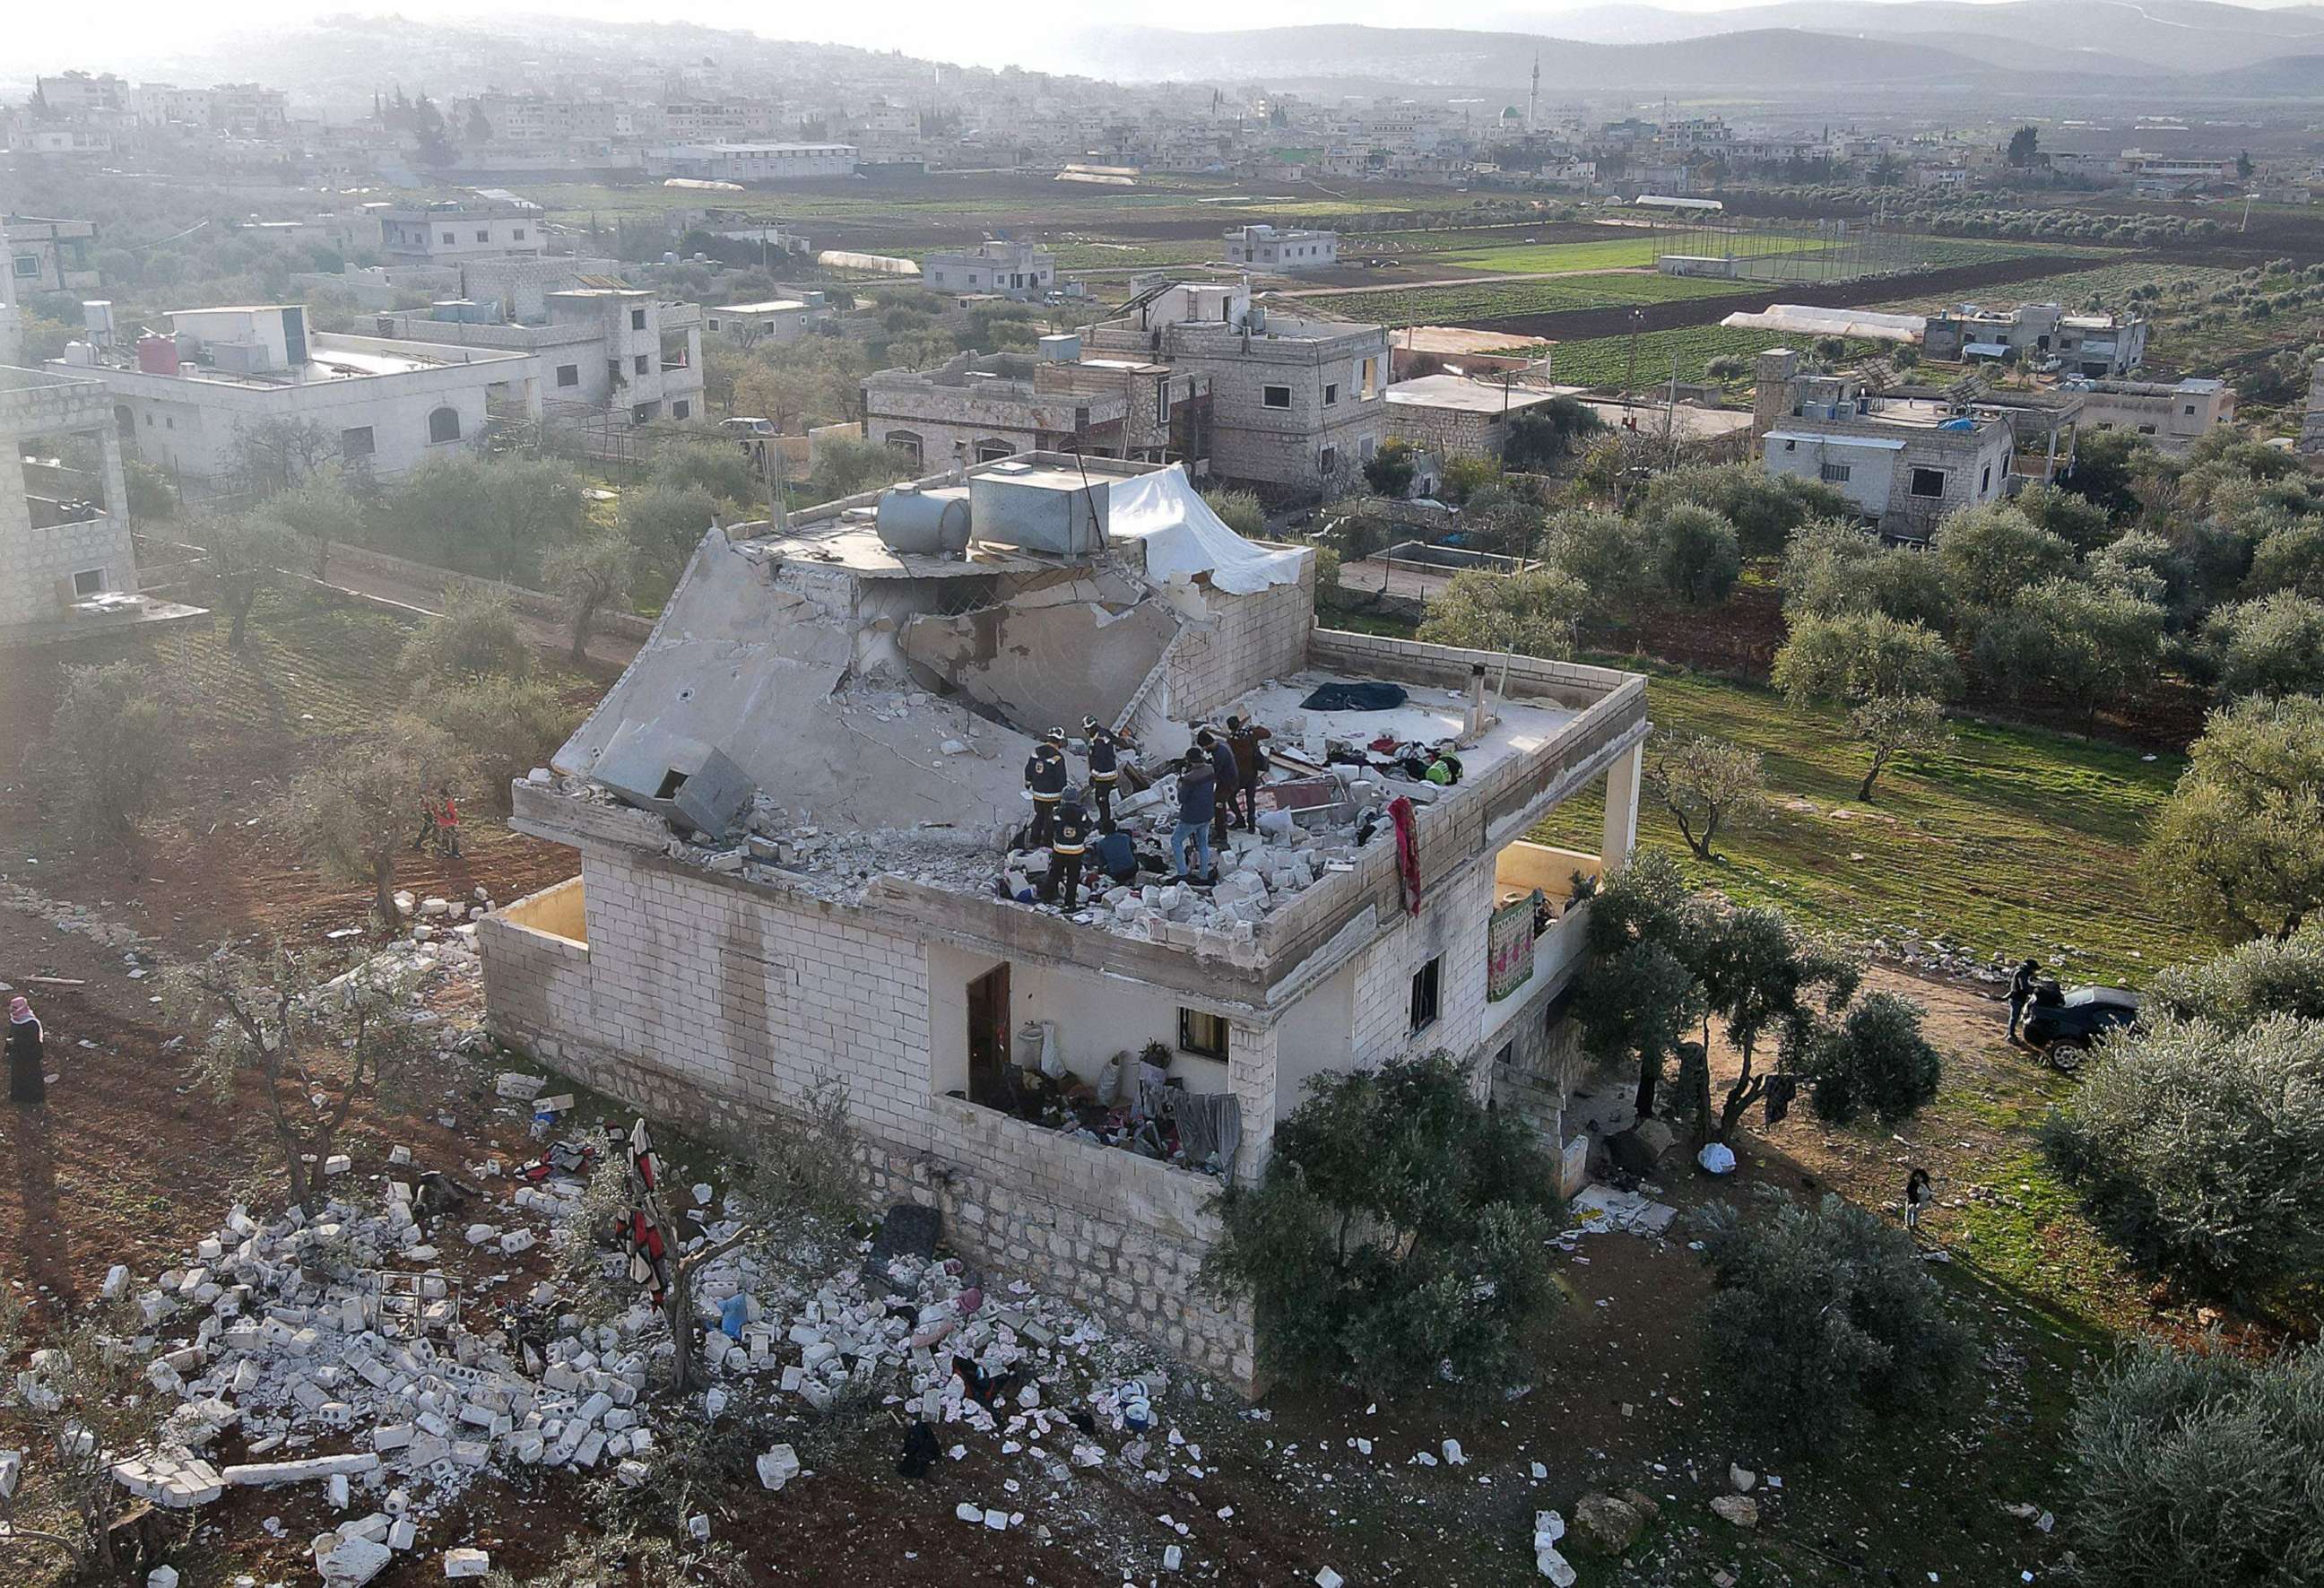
{"points": [[1821, 1318], [2202, 1468], [1399, 1229], [2201, 1152], [1875, 1061], [2237, 989]]}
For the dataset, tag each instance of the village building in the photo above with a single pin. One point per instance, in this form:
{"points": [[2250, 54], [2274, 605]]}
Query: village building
{"points": [[758, 162], [1283, 251], [773, 321], [68, 560], [1906, 462], [452, 233], [1298, 405], [791, 819], [977, 408], [2173, 415], [601, 345], [183, 399], [1007, 270], [1451, 416], [2039, 336]]}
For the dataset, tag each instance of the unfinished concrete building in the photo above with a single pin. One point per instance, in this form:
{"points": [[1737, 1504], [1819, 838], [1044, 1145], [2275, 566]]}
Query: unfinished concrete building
{"points": [[978, 408], [1297, 405], [790, 816], [68, 560], [1906, 462]]}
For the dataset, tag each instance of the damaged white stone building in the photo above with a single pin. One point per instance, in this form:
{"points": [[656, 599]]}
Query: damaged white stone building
{"points": [[790, 816]]}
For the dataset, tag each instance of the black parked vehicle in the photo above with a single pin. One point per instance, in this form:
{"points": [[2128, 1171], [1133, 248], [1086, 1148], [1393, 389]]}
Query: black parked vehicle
{"points": [[2064, 1023]]}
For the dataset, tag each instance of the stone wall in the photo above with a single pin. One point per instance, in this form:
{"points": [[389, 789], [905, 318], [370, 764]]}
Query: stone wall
{"points": [[1445, 433], [1247, 641], [700, 1003]]}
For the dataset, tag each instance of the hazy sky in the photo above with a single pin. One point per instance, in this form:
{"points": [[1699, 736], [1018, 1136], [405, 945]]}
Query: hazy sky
{"points": [[39, 37]]}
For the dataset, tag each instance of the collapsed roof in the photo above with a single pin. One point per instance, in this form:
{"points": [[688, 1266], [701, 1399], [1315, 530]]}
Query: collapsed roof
{"points": [[858, 675]]}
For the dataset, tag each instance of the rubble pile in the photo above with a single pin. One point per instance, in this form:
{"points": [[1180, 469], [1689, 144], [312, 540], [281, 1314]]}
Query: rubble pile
{"points": [[339, 1351]]}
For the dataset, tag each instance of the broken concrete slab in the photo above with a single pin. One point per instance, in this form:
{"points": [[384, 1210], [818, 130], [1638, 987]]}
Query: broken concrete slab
{"points": [[264, 1474]]}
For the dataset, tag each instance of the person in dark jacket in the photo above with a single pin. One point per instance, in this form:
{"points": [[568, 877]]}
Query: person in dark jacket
{"points": [[1069, 837], [1918, 1193], [1214, 743], [1105, 769], [2021, 994], [1045, 779], [1245, 738], [28, 1079], [1114, 854], [1198, 788]]}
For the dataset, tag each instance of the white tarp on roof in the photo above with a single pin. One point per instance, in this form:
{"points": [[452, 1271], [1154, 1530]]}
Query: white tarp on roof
{"points": [[1808, 319], [1184, 538]]}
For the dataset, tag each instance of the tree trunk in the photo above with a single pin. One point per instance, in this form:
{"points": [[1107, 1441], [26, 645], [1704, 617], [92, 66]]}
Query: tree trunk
{"points": [[1864, 788], [241, 617], [382, 897]]}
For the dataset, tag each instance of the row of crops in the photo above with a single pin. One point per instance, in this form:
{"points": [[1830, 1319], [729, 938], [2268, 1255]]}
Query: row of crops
{"points": [[1489, 299]]}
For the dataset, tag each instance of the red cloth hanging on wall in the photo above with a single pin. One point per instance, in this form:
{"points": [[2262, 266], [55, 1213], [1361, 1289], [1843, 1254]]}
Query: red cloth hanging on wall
{"points": [[1408, 852]]}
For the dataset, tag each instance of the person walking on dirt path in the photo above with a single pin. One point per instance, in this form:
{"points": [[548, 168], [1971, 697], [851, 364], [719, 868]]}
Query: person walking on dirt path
{"points": [[426, 835], [2021, 994], [28, 1080], [447, 826], [1918, 1193]]}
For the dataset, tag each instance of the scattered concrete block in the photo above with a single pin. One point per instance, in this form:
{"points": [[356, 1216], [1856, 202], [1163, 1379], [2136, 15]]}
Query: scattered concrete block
{"points": [[466, 1563], [353, 1561], [264, 1474], [779, 1466]]}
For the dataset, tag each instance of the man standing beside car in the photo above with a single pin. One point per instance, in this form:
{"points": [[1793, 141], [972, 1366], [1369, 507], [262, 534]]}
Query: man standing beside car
{"points": [[2021, 994]]}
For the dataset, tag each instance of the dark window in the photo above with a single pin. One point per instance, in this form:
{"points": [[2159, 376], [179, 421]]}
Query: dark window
{"points": [[2146, 430], [355, 441], [28, 264], [517, 233], [448, 237], [444, 425], [636, 320], [90, 581], [905, 443], [1331, 393], [1426, 988], [482, 235], [569, 374], [2190, 408], [645, 364], [992, 451], [1927, 482], [1202, 1035], [1330, 460], [1274, 396], [681, 409], [1835, 473], [1984, 482]]}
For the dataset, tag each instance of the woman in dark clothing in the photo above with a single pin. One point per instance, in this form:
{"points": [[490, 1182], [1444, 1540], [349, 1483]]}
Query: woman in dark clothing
{"points": [[27, 1080], [1245, 738]]}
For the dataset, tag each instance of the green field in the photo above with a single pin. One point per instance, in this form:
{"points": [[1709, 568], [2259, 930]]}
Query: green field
{"points": [[2019, 841], [2108, 284], [1607, 361], [1491, 299], [1638, 251]]}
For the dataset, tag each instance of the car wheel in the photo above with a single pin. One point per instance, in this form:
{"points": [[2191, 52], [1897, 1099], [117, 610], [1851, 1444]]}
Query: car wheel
{"points": [[2065, 1054]]}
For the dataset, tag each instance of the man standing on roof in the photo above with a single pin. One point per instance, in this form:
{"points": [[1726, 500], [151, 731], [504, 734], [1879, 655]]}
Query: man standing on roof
{"points": [[1105, 770], [1069, 835], [1198, 785], [1245, 738], [1214, 743]]}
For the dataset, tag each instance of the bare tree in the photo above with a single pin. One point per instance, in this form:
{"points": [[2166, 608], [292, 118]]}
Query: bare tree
{"points": [[318, 1035], [274, 455], [82, 1406]]}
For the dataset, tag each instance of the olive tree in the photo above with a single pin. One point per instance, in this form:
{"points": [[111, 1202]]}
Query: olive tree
{"points": [[2238, 988], [2238, 849], [588, 576], [1532, 613], [2272, 645], [355, 810], [1873, 1060], [1991, 553], [1697, 556], [1822, 1320], [1398, 1232], [478, 634], [1707, 784], [2200, 1151], [242, 558], [110, 746]]}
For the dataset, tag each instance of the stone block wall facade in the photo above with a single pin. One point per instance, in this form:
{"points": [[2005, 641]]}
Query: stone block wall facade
{"points": [[1446, 433], [37, 564], [698, 999], [1244, 641]]}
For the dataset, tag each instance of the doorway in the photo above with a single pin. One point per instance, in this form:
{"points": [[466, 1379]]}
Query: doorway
{"points": [[988, 1039]]}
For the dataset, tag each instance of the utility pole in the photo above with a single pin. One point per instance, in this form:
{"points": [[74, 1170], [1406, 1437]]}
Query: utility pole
{"points": [[1630, 379]]}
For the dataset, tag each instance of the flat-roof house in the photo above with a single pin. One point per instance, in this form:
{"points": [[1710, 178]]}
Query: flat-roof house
{"points": [[2173, 415], [181, 399], [2035, 334], [1297, 403], [1289, 249], [977, 408], [454, 231], [1906, 462], [759, 163], [791, 815], [1012, 270], [773, 320], [1455, 416]]}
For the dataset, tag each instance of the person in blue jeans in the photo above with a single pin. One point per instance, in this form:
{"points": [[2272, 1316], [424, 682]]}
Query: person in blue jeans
{"points": [[1198, 793]]}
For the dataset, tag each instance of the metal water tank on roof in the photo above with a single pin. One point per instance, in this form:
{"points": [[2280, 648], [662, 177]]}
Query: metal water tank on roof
{"points": [[1039, 507], [916, 523], [157, 355]]}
